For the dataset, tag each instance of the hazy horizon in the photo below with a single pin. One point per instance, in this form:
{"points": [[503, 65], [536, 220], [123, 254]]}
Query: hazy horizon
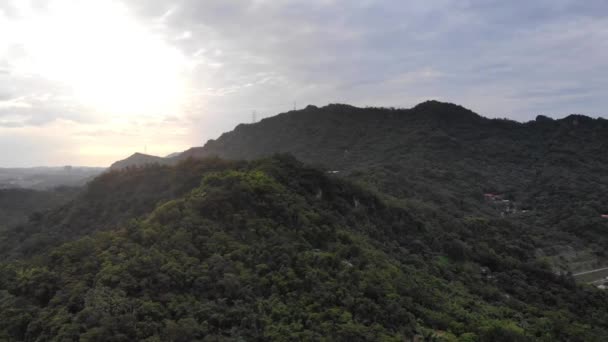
{"points": [[77, 90]]}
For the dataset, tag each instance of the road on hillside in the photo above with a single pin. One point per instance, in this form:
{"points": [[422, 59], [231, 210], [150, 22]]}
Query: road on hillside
{"points": [[588, 272]]}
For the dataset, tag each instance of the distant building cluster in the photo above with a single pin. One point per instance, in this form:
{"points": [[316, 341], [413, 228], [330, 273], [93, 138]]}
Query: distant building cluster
{"points": [[506, 207], [602, 284]]}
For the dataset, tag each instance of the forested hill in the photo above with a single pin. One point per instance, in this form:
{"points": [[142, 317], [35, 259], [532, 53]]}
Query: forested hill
{"points": [[429, 222], [111, 199], [17, 205], [342, 136], [271, 250], [436, 143], [447, 157]]}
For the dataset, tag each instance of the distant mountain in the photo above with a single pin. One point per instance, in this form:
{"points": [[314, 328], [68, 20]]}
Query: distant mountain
{"points": [[344, 137], [439, 142], [448, 157], [138, 159]]}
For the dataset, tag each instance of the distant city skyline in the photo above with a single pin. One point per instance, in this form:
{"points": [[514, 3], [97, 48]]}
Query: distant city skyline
{"points": [[89, 83]]}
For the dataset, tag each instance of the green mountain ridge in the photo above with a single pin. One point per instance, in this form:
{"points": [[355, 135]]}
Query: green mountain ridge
{"points": [[273, 250], [447, 156], [430, 222]]}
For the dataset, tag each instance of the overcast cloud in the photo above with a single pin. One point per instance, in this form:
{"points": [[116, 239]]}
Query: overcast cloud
{"points": [[514, 59]]}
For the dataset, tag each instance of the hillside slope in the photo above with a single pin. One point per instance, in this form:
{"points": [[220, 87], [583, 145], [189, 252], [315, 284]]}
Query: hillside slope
{"points": [[17, 205], [432, 221], [437, 144], [113, 198], [272, 250], [551, 175]]}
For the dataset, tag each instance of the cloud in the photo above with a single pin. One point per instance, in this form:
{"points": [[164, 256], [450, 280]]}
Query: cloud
{"points": [[323, 51], [26, 107], [511, 59]]}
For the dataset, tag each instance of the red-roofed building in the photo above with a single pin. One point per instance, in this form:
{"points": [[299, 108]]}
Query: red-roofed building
{"points": [[492, 197]]}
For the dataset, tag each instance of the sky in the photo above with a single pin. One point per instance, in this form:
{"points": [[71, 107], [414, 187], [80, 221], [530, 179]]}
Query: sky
{"points": [[91, 82]]}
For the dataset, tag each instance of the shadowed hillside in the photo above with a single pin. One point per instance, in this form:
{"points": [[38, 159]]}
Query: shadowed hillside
{"points": [[431, 222], [447, 157], [273, 250], [114, 197], [17, 205], [552, 174]]}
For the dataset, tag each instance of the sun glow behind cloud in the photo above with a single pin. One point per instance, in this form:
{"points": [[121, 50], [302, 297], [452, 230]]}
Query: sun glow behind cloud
{"points": [[92, 81], [107, 61]]}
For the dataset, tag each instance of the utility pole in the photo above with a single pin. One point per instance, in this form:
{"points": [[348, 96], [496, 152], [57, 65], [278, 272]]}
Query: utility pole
{"points": [[254, 115]]}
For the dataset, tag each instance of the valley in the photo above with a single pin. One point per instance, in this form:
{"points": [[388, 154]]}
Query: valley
{"points": [[44, 178]]}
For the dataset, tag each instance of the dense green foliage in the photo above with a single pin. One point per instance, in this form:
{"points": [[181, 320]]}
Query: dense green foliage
{"points": [[446, 157], [401, 242], [271, 250], [112, 198], [16, 205]]}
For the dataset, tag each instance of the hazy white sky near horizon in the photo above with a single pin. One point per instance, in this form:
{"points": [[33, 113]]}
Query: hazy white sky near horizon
{"points": [[90, 82]]}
